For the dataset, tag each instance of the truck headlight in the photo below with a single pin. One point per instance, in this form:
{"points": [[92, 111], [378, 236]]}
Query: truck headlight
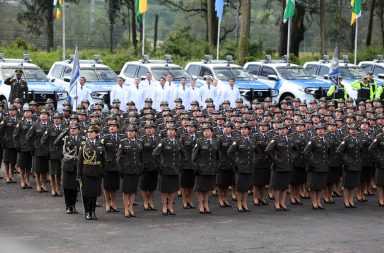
{"points": [[311, 91], [97, 95], [62, 95], [274, 92]]}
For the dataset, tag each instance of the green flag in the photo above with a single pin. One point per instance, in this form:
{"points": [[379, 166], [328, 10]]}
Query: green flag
{"points": [[356, 10], [137, 11], [289, 10]]}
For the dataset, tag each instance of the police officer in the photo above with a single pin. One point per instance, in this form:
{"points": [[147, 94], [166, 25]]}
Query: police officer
{"points": [[350, 149], [55, 153], [242, 153], [281, 150], [40, 152], [19, 87], [206, 159], [377, 151], [365, 90], [225, 173], [24, 158], [90, 171], [111, 179], [149, 176], [317, 153], [168, 155], [130, 163], [7, 127], [72, 141]]}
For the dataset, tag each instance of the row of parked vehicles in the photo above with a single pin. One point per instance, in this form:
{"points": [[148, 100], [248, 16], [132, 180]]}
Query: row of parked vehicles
{"points": [[278, 79]]}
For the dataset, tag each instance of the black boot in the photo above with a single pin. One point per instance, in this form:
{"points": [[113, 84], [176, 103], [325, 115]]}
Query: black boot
{"points": [[69, 209], [93, 208], [87, 213]]}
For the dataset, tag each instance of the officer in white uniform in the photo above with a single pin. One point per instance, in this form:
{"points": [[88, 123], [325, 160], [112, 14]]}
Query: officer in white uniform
{"points": [[194, 92], [231, 93], [208, 90], [171, 89], [161, 94], [79, 93], [136, 94], [182, 91], [149, 84], [119, 91]]}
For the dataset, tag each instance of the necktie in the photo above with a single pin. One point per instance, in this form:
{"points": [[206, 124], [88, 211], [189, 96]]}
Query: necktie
{"points": [[81, 87], [183, 87], [209, 87], [286, 139], [149, 82], [137, 86]]}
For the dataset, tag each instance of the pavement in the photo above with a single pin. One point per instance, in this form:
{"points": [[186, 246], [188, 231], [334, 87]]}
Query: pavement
{"points": [[37, 222]]}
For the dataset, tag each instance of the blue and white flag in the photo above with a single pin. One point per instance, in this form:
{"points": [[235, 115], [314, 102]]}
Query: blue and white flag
{"points": [[334, 72], [219, 8], [75, 71]]}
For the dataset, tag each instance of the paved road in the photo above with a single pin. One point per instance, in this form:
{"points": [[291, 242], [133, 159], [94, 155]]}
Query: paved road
{"points": [[38, 223]]}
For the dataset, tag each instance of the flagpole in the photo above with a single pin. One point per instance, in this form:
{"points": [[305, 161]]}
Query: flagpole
{"points": [[289, 38], [143, 42], [356, 29], [63, 8], [218, 40]]}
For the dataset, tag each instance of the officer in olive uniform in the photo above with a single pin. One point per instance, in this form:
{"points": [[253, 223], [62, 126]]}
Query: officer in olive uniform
{"points": [[317, 153], [376, 149], [24, 158], [150, 174], [90, 169], [206, 160], [262, 172], [242, 153], [19, 87], [72, 141], [350, 150], [111, 180], [7, 127], [130, 164], [168, 155], [40, 152], [225, 173], [55, 152], [281, 151]]}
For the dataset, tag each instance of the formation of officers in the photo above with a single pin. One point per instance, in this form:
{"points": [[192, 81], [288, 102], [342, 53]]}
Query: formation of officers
{"points": [[264, 150]]}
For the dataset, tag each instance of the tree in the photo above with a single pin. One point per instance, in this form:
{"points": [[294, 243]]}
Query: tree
{"points": [[244, 41], [370, 24], [38, 15], [113, 10], [322, 24]]}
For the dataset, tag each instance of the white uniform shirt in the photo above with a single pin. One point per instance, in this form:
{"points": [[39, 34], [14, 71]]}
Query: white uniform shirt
{"points": [[119, 92], [230, 94], [136, 94], [183, 93], [161, 94], [171, 89], [194, 94], [82, 93], [150, 87], [207, 92]]}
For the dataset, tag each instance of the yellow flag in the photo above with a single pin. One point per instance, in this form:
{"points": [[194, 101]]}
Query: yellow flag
{"points": [[143, 6]]}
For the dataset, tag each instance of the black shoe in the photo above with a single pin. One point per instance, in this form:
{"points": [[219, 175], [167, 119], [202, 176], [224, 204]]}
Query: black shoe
{"points": [[74, 210], [202, 212], [321, 207], [222, 205], [207, 211], [362, 200], [382, 205], [171, 213], [293, 202], [127, 215], [191, 206], [278, 209], [185, 207], [147, 208], [227, 205], [68, 210], [299, 203], [256, 204], [132, 214], [246, 209], [347, 206], [262, 202], [113, 210], [315, 207], [241, 210], [284, 209], [353, 206], [98, 204], [88, 216], [94, 215]]}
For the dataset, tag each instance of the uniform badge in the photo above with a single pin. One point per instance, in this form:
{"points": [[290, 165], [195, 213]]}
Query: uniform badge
{"points": [[375, 140], [234, 143], [17, 125], [120, 146], [309, 143], [196, 145], [272, 141], [159, 145], [343, 142]]}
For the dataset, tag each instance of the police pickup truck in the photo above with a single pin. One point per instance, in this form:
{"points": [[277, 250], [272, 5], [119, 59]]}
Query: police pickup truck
{"points": [[39, 87], [376, 67], [158, 68], [100, 78], [250, 88], [291, 80]]}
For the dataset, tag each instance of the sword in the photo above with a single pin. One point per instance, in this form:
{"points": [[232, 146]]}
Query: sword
{"points": [[81, 193]]}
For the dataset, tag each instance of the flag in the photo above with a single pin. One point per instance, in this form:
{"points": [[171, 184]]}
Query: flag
{"points": [[356, 10], [141, 6], [75, 71], [58, 4], [219, 8], [334, 72], [289, 10]]}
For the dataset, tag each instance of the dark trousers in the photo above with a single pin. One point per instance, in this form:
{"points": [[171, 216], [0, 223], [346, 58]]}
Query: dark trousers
{"points": [[89, 204], [70, 196]]}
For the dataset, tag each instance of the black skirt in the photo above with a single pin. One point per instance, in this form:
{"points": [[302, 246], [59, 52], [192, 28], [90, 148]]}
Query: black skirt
{"points": [[298, 176], [130, 183], [24, 160], [280, 180], [333, 175], [111, 181], [379, 175], [244, 182], [351, 179], [91, 186], [317, 180], [41, 164], [224, 178], [69, 180], [9, 156], [205, 183], [261, 177], [55, 168], [169, 183], [148, 180], [366, 174], [187, 178]]}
